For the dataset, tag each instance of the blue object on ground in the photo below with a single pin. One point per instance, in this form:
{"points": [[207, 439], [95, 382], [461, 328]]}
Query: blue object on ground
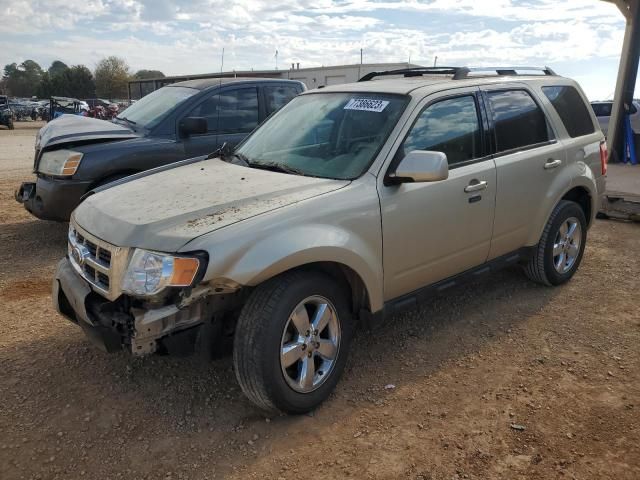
{"points": [[629, 145]]}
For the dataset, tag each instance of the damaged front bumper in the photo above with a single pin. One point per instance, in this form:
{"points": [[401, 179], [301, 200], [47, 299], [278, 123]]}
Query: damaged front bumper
{"points": [[117, 325], [51, 199]]}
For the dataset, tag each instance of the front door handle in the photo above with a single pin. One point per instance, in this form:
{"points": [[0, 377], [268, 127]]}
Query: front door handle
{"points": [[551, 163], [475, 186]]}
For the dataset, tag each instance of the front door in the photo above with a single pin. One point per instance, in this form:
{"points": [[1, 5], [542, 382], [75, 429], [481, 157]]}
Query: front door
{"points": [[434, 230], [231, 114]]}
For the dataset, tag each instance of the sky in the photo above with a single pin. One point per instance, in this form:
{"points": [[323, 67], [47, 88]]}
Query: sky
{"points": [[577, 38]]}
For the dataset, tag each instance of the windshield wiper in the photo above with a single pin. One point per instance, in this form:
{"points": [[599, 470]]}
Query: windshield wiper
{"points": [[226, 154], [126, 120], [276, 167]]}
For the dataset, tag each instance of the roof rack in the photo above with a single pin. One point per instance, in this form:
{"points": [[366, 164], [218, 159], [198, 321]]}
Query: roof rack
{"points": [[458, 73]]}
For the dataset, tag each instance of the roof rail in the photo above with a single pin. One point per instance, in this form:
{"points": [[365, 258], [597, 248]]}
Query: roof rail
{"points": [[458, 73]]}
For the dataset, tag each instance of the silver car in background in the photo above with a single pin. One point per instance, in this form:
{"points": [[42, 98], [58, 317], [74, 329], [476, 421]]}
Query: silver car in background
{"points": [[603, 114]]}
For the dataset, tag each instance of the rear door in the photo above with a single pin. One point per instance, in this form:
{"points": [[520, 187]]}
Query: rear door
{"points": [[528, 158]]}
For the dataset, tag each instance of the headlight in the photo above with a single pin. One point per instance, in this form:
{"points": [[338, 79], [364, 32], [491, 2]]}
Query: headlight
{"points": [[60, 162], [149, 272]]}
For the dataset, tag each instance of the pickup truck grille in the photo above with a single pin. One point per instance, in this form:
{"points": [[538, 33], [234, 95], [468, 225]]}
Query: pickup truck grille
{"points": [[98, 262]]}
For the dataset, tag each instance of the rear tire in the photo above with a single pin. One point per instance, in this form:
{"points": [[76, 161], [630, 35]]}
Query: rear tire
{"points": [[557, 256], [291, 341]]}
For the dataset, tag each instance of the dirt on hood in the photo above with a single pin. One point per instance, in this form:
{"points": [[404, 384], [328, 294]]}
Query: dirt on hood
{"points": [[165, 210]]}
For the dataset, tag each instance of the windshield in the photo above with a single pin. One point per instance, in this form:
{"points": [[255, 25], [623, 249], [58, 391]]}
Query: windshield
{"points": [[329, 135], [150, 109]]}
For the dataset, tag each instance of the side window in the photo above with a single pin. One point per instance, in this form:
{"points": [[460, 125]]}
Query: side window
{"points": [[519, 121], [209, 110], [232, 111], [450, 126], [571, 109], [278, 96]]}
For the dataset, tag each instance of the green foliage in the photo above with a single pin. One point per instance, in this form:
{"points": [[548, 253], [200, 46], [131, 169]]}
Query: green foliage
{"points": [[22, 80], [112, 76], [57, 67], [63, 81], [145, 74]]}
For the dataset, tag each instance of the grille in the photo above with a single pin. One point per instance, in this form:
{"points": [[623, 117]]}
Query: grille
{"points": [[91, 259]]}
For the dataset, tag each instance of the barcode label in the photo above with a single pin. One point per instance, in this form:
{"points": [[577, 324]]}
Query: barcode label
{"points": [[366, 104]]}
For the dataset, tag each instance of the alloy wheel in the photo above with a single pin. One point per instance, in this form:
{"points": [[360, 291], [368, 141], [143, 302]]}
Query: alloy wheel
{"points": [[566, 246], [310, 344]]}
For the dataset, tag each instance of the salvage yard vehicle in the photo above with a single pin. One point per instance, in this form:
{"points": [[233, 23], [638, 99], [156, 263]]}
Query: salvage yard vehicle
{"points": [[280, 243], [603, 114], [6, 114], [179, 121]]}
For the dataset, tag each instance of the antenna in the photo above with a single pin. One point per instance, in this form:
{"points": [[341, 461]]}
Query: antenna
{"points": [[276, 55], [435, 61], [219, 85]]}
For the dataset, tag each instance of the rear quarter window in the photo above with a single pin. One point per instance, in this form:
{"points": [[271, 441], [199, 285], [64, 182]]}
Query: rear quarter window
{"points": [[571, 109]]}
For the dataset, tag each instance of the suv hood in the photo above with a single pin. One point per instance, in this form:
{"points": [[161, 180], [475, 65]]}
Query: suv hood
{"points": [[166, 210], [73, 128]]}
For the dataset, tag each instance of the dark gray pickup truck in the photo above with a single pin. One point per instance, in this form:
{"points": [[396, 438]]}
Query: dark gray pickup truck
{"points": [[188, 119]]}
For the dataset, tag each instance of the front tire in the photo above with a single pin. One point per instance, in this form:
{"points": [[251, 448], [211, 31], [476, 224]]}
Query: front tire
{"points": [[291, 341], [558, 254]]}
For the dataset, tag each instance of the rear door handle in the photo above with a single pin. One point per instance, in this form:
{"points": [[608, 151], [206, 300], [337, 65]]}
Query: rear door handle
{"points": [[475, 186], [551, 163]]}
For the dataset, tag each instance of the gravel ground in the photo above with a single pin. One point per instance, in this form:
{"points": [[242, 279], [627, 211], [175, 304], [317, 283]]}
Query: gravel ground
{"points": [[500, 379]]}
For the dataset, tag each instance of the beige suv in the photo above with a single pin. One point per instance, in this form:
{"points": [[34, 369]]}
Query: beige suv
{"points": [[346, 206]]}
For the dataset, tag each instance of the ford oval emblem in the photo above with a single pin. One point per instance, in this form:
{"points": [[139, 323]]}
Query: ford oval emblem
{"points": [[78, 255]]}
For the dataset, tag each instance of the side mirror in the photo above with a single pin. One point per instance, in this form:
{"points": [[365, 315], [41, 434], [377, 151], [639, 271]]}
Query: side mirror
{"points": [[193, 126], [421, 166]]}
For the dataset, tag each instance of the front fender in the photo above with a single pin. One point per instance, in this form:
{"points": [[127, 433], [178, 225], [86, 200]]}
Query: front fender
{"points": [[301, 246], [342, 227], [317, 243]]}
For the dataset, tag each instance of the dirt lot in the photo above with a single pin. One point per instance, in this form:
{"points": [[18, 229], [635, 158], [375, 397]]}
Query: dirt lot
{"points": [[502, 379]]}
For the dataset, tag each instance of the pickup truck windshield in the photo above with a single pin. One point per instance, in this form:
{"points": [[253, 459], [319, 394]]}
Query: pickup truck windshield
{"points": [[150, 109], [329, 135]]}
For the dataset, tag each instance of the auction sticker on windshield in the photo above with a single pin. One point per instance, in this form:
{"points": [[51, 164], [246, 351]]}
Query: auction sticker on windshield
{"points": [[366, 104]]}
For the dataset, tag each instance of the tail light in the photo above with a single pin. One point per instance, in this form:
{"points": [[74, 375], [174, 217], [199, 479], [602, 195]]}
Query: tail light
{"points": [[604, 157]]}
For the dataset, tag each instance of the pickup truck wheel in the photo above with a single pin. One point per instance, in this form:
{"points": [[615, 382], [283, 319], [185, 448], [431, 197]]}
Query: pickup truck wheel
{"points": [[291, 341], [559, 252]]}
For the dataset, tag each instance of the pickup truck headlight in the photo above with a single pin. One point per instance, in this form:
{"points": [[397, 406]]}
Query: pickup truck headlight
{"points": [[149, 273], [60, 162]]}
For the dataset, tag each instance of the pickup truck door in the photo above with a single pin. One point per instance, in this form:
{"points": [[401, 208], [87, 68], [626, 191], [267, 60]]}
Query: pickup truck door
{"points": [[231, 114], [434, 230], [528, 160]]}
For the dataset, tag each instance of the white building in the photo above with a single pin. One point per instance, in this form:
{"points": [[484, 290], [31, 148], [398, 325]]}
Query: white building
{"points": [[312, 77]]}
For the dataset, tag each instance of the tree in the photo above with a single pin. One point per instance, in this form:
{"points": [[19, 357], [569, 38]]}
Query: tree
{"points": [[81, 82], [76, 81], [22, 80], [111, 77], [57, 67], [145, 74]]}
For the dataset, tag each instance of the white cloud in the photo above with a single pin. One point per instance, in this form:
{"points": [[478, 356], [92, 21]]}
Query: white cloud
{"points": [[181, 36]]}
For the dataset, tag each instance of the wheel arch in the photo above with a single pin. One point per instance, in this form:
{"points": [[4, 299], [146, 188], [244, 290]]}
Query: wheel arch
{"points": [[358, 294], [581, 196]]}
